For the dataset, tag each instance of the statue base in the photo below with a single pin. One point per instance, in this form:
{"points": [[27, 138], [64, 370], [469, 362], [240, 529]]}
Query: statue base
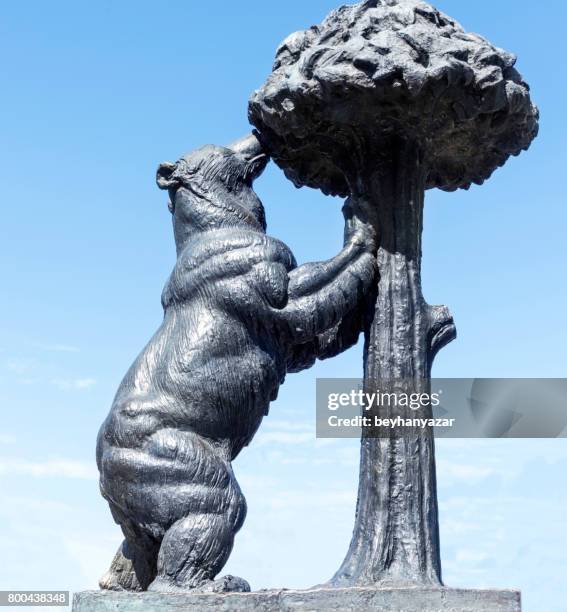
{"points": [[359, 599]]}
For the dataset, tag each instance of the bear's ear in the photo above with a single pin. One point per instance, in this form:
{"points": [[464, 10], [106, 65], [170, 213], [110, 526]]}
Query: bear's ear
{"points": [[164, 175]]}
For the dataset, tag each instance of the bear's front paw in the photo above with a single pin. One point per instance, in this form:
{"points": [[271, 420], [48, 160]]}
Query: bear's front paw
{"points": [[364, 237]]}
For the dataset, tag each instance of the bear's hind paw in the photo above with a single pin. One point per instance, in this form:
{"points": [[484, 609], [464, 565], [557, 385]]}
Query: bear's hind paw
{"points": [[226, 584]]}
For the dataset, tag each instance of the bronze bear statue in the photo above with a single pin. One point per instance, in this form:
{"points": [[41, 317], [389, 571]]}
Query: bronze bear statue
{"points": [[238, 315]]}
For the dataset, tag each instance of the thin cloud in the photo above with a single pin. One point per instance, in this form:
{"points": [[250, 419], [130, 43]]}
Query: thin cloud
{"points": [[28, 381], [285, 437], [20, 366], [73, 384], [287, 499], [285, 425], [454, 472], [52, 468], [60, 348], [285, 432], [471, 556]]}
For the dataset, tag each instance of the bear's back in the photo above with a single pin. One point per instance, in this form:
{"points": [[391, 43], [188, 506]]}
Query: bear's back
{"points": [[216, 263]]}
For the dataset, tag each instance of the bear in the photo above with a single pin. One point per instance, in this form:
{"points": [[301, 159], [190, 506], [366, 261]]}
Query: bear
{"points": [[239, 314]]}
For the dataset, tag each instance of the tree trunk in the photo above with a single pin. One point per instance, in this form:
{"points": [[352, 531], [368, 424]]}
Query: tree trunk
{"points": [[396, 532]]}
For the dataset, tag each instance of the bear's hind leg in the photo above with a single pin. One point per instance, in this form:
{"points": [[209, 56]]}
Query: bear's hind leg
{"points": [[132, 569], [196, 547], [193, 551]]}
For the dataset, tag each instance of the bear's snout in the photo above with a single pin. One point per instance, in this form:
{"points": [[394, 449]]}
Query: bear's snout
{"points": [[248, 147], [251, 151]]}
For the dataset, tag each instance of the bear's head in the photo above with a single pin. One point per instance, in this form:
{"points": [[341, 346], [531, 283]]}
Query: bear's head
{"points": [[211, 188]]}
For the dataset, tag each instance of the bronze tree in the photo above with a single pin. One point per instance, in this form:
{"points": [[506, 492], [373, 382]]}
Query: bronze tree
{"points": [[383, 100]]}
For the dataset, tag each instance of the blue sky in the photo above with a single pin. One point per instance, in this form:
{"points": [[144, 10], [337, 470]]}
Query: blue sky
{"points": [[94, 96]]}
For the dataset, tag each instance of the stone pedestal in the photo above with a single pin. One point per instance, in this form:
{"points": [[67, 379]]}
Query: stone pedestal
{"points": [[363, 599]]}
